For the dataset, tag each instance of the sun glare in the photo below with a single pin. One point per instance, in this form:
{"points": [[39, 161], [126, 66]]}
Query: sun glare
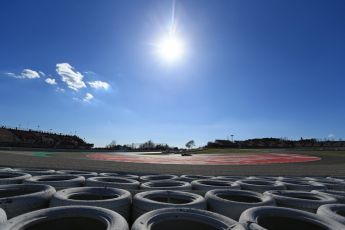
{"points": [[171, 48]]}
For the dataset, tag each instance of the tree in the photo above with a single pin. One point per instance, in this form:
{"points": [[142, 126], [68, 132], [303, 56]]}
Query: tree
{"points": [[190, 144], [111, 145]]}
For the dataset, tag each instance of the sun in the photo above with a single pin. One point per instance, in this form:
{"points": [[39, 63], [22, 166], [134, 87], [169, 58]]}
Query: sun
{"points": [[170, 48]]}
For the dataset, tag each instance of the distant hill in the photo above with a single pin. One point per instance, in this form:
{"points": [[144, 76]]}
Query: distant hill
{"points": [[277, 143], [38, 139]]}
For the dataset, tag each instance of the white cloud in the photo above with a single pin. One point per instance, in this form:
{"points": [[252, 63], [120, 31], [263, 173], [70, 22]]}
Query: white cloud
{"points": [[99, 84], [30, 74], [60, 90], [50, 81], [41, 73], [25, 74], [70, 76], [88, 97]]}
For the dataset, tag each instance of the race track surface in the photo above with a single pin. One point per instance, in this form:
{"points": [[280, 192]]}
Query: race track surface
{"points": [[282, 163]]}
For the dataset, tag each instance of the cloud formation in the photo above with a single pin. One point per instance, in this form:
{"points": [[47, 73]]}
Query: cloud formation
{"points": [[25, 74], [88, 97], [99, 85], [70, 76], [50, 81]]}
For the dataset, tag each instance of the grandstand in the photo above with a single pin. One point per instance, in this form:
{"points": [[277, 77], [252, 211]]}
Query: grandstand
{"points": [[13, 137]]}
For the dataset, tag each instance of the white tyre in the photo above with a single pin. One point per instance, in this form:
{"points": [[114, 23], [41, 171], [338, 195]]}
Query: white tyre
{"points": [[209, 184], [302, 200], [147, 178], [339, 195], [333, 211], [85, 174], [190, 178], [5, 169], [59, 182], [166, 185], [68, 217], [17, 199], [114, 182], [232, 203], [260, 185], [13, 177], [230, 178], [35, 171], [151, 200], [3, 216], [118, 200], [265, 218], [184, 219]]}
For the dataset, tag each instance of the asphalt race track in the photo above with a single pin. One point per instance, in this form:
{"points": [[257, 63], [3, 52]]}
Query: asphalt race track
{"points": [[265, 163]]}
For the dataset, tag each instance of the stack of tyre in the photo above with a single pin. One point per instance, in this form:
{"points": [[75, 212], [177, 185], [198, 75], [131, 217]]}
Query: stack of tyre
{"points": [[37, 199]]}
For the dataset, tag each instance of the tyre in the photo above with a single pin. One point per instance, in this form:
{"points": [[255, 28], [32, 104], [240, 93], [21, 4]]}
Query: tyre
{"points": [[128, 176], [232, 203], [59, 182], [17, 199], [261, 218], [190, 178], [13, 177], [3, 216], [166, 185], [118, 200], [114, 182], [302, 200], [269, 178], [151, 200], [5, 169], [303, 185], [85, 174], [147, 178], [342, 178], [229, 178], [333, 211], [339, 195], [209, 184], [260, 185], [332, 184], [35, 171], [292, 178], [68, 218], [184, 219]]}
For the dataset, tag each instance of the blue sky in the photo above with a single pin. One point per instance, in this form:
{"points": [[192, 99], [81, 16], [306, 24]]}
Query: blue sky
{"points": [[260, 68]]}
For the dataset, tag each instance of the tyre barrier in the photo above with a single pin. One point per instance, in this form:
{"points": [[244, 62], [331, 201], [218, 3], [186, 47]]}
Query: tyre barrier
{"points": [[339, 195], [261, 218], [341, 178], [190, 178], [114, 182], [333, 211], [166, 185], [13, 177], [85, 174], [3, 217], [292, 178], [59, 182], [128, 176], [17, 199], [35, 171], [260, 185], [68, 218], [151, 200], [118, 200], [210, 184], [269, 178], [183, 219], [232, 203], [301, 200], [147, 178], [303, 185]]}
